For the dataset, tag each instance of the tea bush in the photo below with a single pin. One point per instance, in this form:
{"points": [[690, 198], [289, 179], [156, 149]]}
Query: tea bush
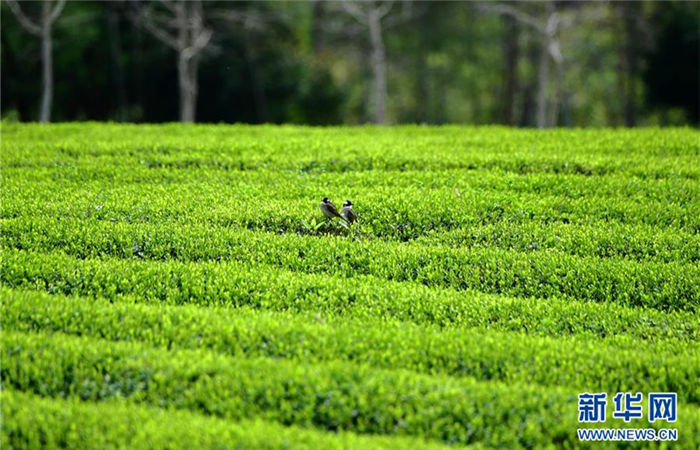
{"points": [[170, 286]]}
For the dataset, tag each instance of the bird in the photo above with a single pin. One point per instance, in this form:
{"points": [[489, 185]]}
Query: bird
{"points": [[329, 209], [347, 213]]}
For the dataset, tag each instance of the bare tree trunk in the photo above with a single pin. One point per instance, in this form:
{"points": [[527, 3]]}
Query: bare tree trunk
{"points": [[546, 115], [137, 50], [564, 98], [558, 97], [378, 66], [422, 85], [115, 50], [551, 49], [191, 36], [42, 29], [46, 64], [187, 16], [510, 68], [183, 70], [631, 12], [370, 15], [554, 49], [188, 94], [542, 84], [194, 85], [631, 93], [527, 114]]}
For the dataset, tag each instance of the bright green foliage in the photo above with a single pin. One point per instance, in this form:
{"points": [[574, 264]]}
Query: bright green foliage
{"points": [[171, 275], [333, 396], [50, 423], [459, 352], [266, 287], [666, 286]]}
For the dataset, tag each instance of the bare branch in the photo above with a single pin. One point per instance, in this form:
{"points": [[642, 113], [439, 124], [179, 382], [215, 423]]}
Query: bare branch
{"points": [[555, 52], [355, 11], [199, 43], [56, 11], [515, 13], [26, 23], [145, 19], [384, 9], [250, 20], [164, 21], [552, 24], [203, 39], [407, 13]]}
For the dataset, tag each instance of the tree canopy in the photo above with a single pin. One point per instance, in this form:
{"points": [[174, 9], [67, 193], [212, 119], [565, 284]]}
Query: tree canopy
{"points": [[543, 64]]}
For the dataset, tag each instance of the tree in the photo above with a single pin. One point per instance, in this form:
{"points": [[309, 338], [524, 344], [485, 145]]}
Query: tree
{"points": [[42, 29], [548, 28], [510, 68], [370, 15], [115, 50], [181, 28]]}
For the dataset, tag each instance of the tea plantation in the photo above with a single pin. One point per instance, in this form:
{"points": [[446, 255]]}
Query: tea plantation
{"points": [[178, 287]]}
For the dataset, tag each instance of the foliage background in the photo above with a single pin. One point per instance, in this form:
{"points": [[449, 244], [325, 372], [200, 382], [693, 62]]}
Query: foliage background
{"points": [[308, 63]]}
